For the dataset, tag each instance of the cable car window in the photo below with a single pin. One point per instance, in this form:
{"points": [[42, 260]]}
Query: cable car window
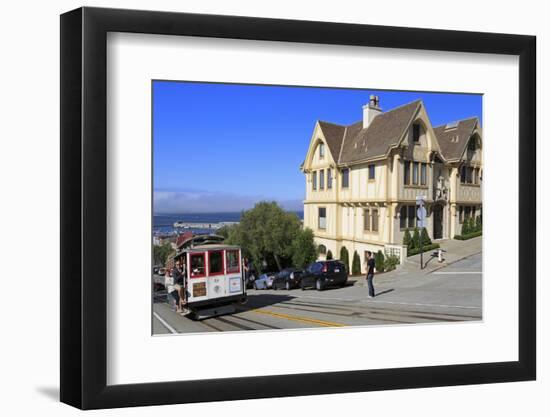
{"points": [[232, 261], [197, 265], [215, 264]]}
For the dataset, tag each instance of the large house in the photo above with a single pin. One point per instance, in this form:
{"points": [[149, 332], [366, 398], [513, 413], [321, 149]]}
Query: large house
{"points": [[362, 180]]}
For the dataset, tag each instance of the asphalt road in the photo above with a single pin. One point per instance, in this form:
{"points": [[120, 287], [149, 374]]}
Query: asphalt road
{"points": [[450, 294]]}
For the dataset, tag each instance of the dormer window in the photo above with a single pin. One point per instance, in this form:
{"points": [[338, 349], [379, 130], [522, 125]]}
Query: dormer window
{"points": [[472, 144], [321, 150], [416, 133]]}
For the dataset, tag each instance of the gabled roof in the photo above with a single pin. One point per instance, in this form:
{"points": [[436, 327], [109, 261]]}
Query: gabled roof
{"points": [[453, 141], [333, 135], [353, 143]]}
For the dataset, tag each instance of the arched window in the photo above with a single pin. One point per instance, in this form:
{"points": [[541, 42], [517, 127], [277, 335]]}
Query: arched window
{"points": [[321, 150], [322, 249]]}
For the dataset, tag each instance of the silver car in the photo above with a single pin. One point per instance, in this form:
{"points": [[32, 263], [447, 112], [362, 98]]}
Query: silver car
{"points": [[264, 281]]}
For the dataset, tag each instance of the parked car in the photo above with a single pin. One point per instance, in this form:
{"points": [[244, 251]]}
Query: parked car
{"points": [[288, 278], [264, 281], [324, 274]]}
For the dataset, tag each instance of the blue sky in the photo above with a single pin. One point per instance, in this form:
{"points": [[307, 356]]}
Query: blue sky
{"points": [[223, 147]]}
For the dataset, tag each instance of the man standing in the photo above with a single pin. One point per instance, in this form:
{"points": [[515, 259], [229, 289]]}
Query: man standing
{"points": [[370, 273]]}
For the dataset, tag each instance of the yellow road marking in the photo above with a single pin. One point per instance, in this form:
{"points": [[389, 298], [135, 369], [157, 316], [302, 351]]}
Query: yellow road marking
{"points": [[297, 318]]}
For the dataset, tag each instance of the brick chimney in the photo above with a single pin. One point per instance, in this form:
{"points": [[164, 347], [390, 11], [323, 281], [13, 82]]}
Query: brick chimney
{"points": [[371, 110]]}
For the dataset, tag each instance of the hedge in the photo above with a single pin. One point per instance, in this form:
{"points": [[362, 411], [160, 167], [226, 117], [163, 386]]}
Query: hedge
{"points": [[468, 236], [428, 248]]}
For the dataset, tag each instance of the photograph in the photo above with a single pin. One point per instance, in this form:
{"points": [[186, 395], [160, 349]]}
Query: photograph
{"points": [[282, 207]]}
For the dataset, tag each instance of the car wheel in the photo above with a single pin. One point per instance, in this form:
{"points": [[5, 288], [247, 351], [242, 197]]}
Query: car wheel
{"points": [[319, 285], [287, 286]]}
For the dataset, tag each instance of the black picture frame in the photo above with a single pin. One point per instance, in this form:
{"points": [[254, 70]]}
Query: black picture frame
{"points": [[84, 207]]}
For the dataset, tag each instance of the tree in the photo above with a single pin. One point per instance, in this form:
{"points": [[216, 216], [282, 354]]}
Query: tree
{"points": [[356, 264], [303, 248], [415, 239], [344, 257], [329, 255], [425, 238], [379, 261], [160, 253], [266, 234], [407, 240]]}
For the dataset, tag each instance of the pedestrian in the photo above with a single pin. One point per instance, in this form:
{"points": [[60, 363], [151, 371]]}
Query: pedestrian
{"points": [[369, 265]]}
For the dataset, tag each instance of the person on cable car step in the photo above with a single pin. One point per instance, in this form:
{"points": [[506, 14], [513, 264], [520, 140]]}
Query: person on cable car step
{"points": [[172, 292], [177, 274]]}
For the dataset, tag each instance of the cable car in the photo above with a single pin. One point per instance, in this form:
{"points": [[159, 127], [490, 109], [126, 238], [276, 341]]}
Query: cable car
{"points": [[214, 279]]}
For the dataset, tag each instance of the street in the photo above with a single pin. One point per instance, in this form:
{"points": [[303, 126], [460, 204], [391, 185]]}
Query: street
{"points": [[449, 294]]}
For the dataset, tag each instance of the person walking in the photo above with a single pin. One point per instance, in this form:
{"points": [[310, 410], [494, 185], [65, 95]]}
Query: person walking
{"points": [[369, 264]]}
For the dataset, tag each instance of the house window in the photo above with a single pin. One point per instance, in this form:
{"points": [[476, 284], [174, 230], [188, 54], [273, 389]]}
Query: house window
{"points": [[374, 217], [423, 174], [321, 150], [322, 249], [329, 178], [366, 220], [371, 171], [416, 133], [476, 176], [403, 218], [411, 216], [197, 265], [322, 218], [322, 179], [407, 217], [215, 263], [345, 178], [415, 173], [407, 173], [232, 261], [460, 214], [463, 174], [314, 180], [472, 144], [467, 212]]}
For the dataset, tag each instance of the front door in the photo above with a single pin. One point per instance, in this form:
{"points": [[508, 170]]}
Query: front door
{"points": [[438, 221]]}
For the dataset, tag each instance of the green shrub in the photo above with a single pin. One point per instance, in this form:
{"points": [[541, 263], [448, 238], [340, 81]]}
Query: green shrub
{"points": [[379, 261], [468, 236], [428, 248], [329, 255], [407, 240], [425, 238], [344, 257], [415, 239], [465, 227], [478, 224], [356, 264], [391, 262]]}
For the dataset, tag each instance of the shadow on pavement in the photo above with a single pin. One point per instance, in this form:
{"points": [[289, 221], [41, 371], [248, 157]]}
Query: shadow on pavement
{"points": [[385, 292], [264, 300]]}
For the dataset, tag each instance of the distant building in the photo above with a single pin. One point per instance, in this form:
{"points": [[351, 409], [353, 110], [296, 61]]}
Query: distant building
{"points": [[362, 180]]}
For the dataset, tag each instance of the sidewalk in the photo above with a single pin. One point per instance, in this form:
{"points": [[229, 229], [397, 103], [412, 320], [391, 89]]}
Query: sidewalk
{"points": [[455, 250]]}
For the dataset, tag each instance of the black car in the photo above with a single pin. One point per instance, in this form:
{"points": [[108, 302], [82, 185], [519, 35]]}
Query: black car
{"points": [[324, 274], [288, 278]]}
